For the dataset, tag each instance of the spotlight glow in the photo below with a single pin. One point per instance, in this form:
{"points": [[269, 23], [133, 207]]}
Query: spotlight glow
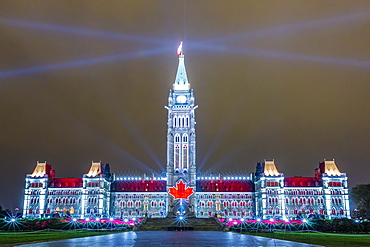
{"points": [[79, 63]]}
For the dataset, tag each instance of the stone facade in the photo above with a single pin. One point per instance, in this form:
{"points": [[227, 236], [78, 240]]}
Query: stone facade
{"points": [[264, 194]]}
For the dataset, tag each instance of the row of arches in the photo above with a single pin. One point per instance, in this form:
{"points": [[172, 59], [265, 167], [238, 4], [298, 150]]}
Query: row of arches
{"points": [[225, 204], [181, 121], [296, 200], [65, 200], [131, 204], [64, 192], [226, 213], [225, 196], [303, 192]]}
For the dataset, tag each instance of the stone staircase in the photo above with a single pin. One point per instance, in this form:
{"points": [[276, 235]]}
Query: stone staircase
{"points": [[173, 224]]}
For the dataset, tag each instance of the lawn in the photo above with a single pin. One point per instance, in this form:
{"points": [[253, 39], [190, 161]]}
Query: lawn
{"points": [[324, 239], [11, 238]]}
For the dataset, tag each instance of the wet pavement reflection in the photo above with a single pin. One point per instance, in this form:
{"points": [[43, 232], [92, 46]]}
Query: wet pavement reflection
{"points": [[166, 238]]}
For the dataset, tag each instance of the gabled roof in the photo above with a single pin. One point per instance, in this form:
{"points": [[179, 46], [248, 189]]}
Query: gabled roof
{"points": [[270, 168], [95, 169], [41, 170], [224, 186], [330, 168], [139, 186]]}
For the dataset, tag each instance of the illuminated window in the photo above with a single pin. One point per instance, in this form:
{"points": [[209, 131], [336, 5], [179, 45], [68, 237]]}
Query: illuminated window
{"points": [[341, 212], [334, 211]]}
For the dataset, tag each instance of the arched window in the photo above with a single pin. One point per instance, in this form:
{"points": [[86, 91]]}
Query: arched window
{"points": [[184, 138], [177, 152], [226, 203], [185, 152], [277, 211], [341, 212], [210, 204], [334, 211], [269, 211]]}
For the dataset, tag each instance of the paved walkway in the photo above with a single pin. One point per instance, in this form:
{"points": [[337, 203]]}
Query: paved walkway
{"points": [[165, 238]]}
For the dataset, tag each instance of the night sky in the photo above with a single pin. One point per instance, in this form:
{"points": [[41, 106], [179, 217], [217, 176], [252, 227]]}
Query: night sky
{"points": [[88, 80]]}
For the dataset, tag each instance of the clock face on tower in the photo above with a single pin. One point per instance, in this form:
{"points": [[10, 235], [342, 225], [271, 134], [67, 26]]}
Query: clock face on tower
{"points": [[181, 99]]}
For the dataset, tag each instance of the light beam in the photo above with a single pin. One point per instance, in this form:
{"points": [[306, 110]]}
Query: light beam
{"points": [[81, 63]]}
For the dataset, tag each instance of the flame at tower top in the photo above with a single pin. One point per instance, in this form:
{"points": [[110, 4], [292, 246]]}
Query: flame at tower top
{"points": [[181, 80]]}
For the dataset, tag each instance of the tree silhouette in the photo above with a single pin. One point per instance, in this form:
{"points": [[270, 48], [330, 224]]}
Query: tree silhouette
{"points": [[361, 196]]}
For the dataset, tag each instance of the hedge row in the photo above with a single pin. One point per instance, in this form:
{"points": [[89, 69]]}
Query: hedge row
{"points": [[35, 224]]}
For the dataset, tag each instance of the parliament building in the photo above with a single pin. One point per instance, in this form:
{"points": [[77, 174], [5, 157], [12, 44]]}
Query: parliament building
{"points": [[264, 194]]}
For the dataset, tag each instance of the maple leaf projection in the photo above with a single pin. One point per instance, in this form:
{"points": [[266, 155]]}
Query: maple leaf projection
{"points": [[180, 192]]}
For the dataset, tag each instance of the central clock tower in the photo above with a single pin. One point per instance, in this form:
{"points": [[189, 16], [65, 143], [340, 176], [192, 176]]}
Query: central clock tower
{"points": [[181, 141]]}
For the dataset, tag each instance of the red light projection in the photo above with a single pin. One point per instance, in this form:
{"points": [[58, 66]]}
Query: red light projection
{"points": [[180, 192]]}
